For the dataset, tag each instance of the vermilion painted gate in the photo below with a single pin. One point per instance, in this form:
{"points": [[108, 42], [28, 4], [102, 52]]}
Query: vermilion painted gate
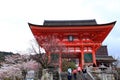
{"points": [[81, 37]]}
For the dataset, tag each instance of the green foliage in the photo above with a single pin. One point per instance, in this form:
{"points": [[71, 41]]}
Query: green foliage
{"points": [[66, 64], [7, 79], [35, 79], [16, 78]]}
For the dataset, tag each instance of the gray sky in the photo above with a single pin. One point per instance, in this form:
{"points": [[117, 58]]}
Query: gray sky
{"points": [[15, 34]]}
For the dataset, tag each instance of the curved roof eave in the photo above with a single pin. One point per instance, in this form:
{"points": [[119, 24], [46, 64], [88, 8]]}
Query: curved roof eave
{"points": [[30, 24]]}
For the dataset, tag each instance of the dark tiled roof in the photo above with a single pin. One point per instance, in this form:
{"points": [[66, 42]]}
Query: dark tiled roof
{"points": [[102, 51], [102, 55], [104, 58], [69, 22]]}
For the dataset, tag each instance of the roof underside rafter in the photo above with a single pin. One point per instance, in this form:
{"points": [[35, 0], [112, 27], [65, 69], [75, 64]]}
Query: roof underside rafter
{"points": [[96, 32]]}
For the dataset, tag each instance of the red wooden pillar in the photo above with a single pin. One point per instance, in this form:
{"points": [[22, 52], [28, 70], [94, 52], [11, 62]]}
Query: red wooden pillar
{"points": [[94, 56], [81, 59]]}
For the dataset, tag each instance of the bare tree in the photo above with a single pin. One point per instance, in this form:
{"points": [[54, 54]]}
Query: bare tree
{"points": [[51, 45]]}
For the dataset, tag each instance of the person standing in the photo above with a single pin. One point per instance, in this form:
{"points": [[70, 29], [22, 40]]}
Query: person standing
{"points": [[69, 76], [75, 74], [79, 69], [84, 71]]}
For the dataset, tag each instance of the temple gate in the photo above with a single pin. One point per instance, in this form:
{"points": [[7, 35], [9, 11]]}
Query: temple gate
{"points": [[81, 38]]}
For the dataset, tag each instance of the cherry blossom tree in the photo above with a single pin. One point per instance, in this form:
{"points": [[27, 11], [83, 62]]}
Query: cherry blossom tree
{"points": [[17, 66], [10, 72], [27, 66]]}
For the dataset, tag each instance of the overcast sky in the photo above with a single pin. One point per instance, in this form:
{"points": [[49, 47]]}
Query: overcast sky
{"points": [[15, 34]]}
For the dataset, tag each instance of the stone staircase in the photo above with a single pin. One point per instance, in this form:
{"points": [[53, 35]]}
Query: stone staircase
{"points": [[93, 75]]}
